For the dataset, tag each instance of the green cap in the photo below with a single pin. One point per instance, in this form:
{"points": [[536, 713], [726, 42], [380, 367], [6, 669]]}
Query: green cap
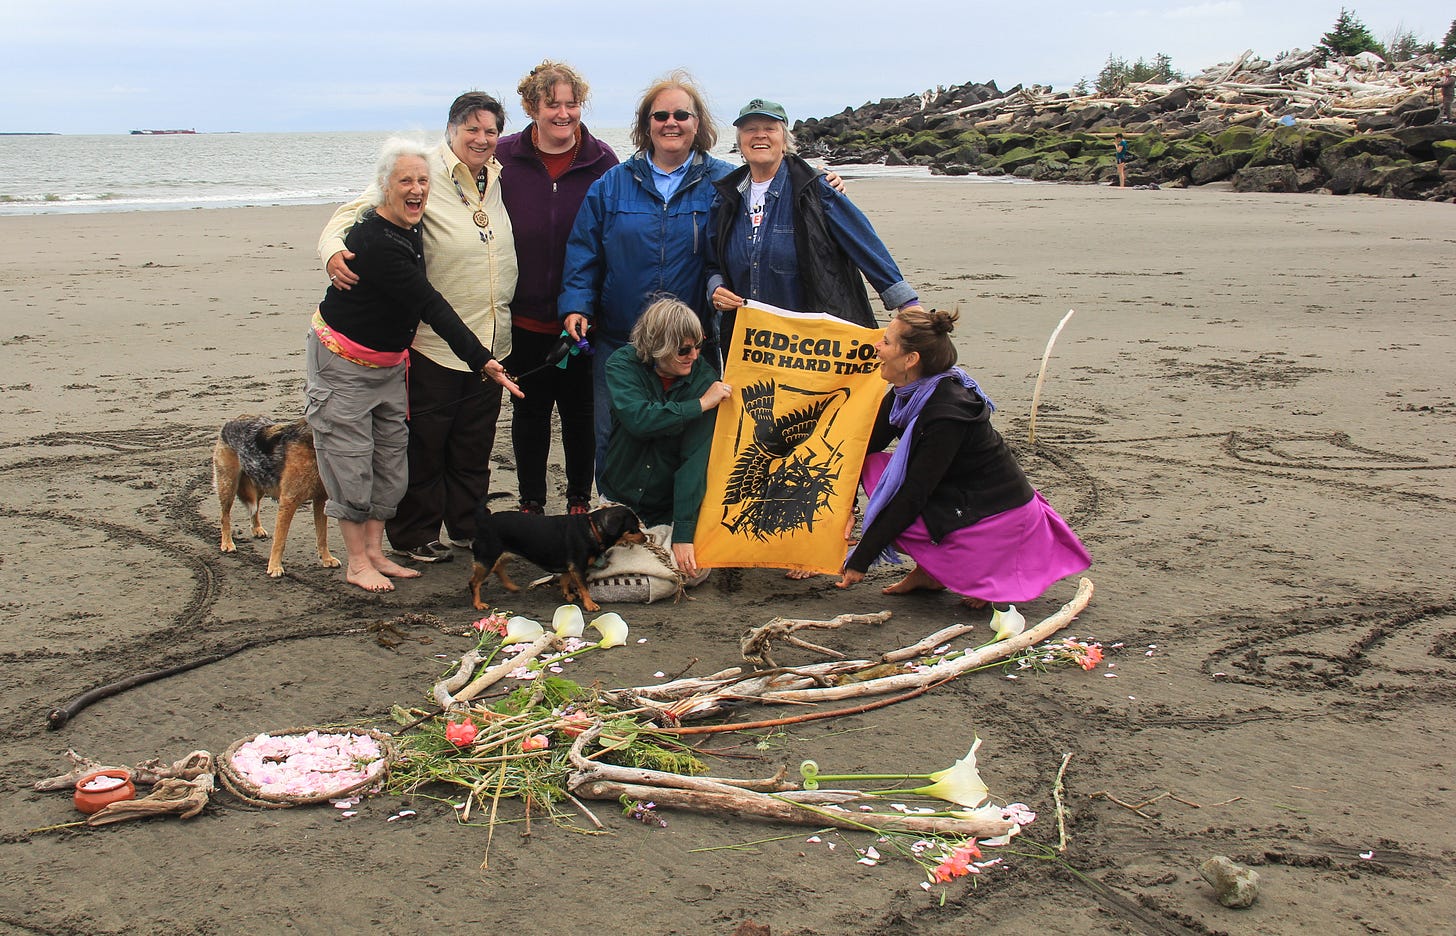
{"points": [[758, 107]]}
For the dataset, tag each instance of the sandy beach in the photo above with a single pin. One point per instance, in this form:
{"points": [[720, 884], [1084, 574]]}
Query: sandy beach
{"points": [[1249, 421]]}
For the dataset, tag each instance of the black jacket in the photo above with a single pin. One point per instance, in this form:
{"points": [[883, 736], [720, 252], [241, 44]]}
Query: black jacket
{"points": [[393, 295], [831, 280], [960, 471]]}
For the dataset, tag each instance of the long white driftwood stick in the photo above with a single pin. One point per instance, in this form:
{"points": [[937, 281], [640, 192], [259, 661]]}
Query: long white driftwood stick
{"points": [[951, 668], [498, 672], [702, 698], [445, 688], [1041, 375], [777, 809]]}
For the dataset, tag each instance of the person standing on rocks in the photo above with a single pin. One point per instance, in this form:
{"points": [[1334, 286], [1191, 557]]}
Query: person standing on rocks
{"points": [[1447, 86]]}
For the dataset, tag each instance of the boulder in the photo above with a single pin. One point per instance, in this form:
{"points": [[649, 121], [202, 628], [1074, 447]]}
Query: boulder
{"points": [[1407, 181], [1420, 141], [1217, 168], [1266, 179]]}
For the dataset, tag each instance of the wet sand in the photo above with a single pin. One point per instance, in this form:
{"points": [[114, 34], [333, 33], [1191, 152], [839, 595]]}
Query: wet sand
{"points": [[1249, 421]]}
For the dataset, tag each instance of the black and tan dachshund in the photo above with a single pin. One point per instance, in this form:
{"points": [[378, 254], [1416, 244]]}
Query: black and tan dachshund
{"points": [[564, 544]]}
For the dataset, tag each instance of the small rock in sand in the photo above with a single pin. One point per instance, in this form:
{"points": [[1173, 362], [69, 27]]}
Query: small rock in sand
{"points": [[1233, 884]]}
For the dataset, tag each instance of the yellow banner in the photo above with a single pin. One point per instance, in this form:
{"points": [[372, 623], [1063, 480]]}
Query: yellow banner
{"points": [[789, 443]]}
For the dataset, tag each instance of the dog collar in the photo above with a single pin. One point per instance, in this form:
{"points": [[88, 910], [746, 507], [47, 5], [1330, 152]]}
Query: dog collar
{"points": [[595, 532]]}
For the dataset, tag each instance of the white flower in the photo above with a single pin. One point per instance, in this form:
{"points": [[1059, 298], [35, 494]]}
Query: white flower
{"points": [[521, 630], [568, 622], [612, 628], [1007, 623]]}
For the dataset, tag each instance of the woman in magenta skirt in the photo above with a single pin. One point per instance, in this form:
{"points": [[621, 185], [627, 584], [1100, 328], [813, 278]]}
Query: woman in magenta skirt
{"points": [[952, 495]]}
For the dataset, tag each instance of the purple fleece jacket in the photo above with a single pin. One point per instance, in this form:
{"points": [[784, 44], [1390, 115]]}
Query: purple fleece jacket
{"points": [[542, 213]]}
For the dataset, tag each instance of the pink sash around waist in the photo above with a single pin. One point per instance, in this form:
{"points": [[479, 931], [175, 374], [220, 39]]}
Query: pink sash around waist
{"points": [[351, 350]]}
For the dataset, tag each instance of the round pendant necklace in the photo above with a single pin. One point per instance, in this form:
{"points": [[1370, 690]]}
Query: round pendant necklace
{"points": [[481, 219]]}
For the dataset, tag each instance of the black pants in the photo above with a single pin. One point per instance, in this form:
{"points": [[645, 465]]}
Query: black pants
{"points": [[569, 391], [451, 435]]}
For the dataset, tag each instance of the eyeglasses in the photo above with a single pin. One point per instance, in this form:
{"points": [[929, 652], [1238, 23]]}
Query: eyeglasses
{"points": [[678, 115], [685, 350]]}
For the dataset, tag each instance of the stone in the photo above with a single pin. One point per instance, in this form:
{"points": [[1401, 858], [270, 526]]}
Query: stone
{"points": [[1234, 885]]}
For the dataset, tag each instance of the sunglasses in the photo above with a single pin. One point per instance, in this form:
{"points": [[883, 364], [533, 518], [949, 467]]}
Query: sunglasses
{"points": [[678, 115], [685, 350]]}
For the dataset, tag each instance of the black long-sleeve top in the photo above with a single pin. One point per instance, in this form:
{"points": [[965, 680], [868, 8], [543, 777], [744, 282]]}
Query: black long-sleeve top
{"points": [[960, 471], [393, 296]]}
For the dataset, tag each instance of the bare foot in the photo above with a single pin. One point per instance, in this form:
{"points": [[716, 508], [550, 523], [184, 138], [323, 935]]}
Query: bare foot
{"points": [[799, 575], [368, 578], [392, 569], [974, 602], [917, 580]]}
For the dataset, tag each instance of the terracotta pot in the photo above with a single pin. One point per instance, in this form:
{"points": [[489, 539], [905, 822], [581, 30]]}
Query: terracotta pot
{"points": [[93, 800]]}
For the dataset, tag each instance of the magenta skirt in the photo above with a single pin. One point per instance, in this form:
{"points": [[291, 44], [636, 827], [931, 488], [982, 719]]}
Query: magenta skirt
{"points": [[1012, 556]]}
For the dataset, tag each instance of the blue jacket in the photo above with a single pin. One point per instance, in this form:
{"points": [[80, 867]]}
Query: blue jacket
{"points": [[628, 245]]}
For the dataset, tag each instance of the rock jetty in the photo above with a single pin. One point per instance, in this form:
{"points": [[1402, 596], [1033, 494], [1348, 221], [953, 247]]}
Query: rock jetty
{"points": [[1302, 123]]}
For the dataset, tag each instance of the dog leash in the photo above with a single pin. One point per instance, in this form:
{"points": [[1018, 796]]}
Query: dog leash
{"points": [[565, 346]]}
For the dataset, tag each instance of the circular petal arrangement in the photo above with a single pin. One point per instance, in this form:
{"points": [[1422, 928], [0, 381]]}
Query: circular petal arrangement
{"points": [[293, 768]]}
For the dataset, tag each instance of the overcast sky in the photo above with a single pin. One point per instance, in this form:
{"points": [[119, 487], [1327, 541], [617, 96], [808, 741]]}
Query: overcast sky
{"points": [[108, 66]]}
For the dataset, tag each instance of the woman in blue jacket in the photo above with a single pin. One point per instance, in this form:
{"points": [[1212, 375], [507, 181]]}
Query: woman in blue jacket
{"points": [[642, 231]]}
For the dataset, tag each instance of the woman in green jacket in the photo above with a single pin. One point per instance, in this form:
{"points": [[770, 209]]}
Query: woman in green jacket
{"points": [[662, 393]]}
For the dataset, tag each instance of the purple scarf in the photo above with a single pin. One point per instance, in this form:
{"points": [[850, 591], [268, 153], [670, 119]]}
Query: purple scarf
{"points": [[909, 401]]}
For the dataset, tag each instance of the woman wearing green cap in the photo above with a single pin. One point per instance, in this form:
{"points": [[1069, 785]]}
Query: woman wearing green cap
{"points": [[780, 235]]}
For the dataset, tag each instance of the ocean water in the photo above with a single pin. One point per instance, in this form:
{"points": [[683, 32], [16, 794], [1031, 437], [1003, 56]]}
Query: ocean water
{"points": [[120, 172]]}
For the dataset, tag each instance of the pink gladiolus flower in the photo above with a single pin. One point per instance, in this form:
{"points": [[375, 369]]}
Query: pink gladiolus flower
{"points": [[536, 743], [460, 733], [1091, 657], [958, 863]]}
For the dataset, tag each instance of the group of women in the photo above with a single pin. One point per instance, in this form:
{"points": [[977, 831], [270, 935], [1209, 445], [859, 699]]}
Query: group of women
{"points": [[644, 263]]}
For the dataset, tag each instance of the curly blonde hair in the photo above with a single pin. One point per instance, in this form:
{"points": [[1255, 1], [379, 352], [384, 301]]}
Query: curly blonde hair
{"points": [[543, 79]]}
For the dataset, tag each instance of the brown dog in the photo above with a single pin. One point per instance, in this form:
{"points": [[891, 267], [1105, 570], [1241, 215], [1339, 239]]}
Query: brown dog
{"points": [[565, 544], [255, 457]]}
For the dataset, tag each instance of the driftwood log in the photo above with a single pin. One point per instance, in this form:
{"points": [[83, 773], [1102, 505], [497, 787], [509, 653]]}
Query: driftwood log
{"points": [[147, 773], [774, 798], [782, 809]]}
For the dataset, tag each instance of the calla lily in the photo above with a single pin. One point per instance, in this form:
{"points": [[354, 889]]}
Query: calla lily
{"points": [[1007, 623], [612, 628], [567, 621], [958, 783], [521, 630]]}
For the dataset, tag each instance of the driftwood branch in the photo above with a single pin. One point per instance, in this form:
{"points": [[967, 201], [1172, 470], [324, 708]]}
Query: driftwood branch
{"points": [[146, 773], [501, 670], [757, 642], [446, 688], [783, 809], [685, 700]]}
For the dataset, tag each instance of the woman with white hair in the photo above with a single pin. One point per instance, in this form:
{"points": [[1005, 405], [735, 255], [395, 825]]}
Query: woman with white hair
{"points": [[780, 234], [357, 350], [663, 392]]}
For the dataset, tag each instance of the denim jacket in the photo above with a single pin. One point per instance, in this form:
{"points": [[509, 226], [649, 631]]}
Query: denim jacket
{"points": [[767, 267]]}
